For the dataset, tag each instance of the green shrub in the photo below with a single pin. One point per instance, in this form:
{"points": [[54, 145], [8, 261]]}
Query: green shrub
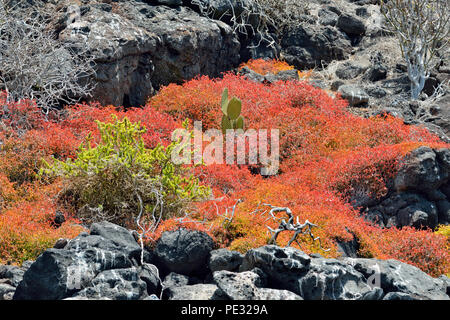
{"points": [[120, 178], [444, 230]]}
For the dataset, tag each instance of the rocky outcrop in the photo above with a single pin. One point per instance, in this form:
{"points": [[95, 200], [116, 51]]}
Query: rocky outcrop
{"points": [[140, 47], [182, 251], [355, 95], [91, 266], [101, 267], [308, 46], [195, 292], [402, 279], [223, 259], [332, 32], [249, 285], [10, 277], [419, 194], [347, 44], [310, 278]]}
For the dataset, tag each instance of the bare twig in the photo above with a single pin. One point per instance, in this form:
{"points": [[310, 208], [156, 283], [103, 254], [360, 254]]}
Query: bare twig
{"points": [[424, 111], [227, 219], [297, 227], [422, 28], [35, 64], [264, 18]]}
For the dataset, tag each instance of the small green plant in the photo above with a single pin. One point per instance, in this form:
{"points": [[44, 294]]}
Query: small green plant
{"points": [[231, 109], [443, 230], [120, 179]]}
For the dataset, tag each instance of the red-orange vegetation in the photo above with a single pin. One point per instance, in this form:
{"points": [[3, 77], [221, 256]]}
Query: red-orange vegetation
{"points": [[264, 66], [328, 156], [27, 227]]}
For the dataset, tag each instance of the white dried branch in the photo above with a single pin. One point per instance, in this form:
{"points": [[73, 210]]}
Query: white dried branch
{"points": [[289, 225], [264, 18], [424, 111], [228, 218], [423, 29], [35, 64], [148, 225]]}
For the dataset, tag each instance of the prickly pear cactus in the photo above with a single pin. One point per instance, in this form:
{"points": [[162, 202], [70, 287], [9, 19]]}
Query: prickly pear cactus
{"points": [[231, 109]]}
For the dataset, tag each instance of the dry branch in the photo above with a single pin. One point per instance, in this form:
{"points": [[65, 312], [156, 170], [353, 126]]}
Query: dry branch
{"points": [[423, 29], [289, 225], [35, 64]]}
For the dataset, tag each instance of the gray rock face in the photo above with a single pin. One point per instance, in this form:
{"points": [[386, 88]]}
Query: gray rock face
{"points": [[6, 290], [397, 296], [354, 94], [95, 266], [172, 3], [225, 8], [419, 195], [123, 55], [327, 17], [376, 92], [59, 273], [310, 45], [48, 278], [376, 72], [117, 234], [443, 207], [149, 273], [195, 292], [407, 209], [349, 278], [12, 274], [283, 266], [60, 243], [247, 286], [238, 286], [446, 281], [330, 279], [349, 71], [92, 267], [190, 44], [183, 251], [396, 276], [422, 170], [139, 47], [119, 284], [223, 259], [274, 294], [442, 114], [351, 25], [423, 214], [175, 280], [10, 277]]}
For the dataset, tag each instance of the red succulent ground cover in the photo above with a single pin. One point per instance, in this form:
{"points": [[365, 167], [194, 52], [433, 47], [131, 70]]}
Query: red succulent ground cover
{"points": [[264, 66], [328, 156]]}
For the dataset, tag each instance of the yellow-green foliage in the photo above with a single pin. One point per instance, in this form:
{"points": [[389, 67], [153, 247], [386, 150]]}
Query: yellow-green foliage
{"points": [[444, 230], [118, 177]]}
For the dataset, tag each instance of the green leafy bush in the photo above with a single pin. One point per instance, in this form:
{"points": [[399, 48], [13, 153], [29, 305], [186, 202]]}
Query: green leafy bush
{"points": [[120, 178], [444, 230]]}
